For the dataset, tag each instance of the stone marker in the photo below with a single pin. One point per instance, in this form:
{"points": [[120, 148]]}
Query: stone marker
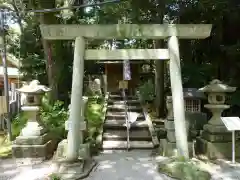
{"points": [[168, 146], [95, 86]]}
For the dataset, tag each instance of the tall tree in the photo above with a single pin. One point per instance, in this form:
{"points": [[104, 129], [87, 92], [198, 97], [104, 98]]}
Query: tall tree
{"points": [[159, 71]]}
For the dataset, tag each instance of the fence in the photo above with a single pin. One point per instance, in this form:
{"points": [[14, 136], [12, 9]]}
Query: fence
{"points": [[14, 106]]}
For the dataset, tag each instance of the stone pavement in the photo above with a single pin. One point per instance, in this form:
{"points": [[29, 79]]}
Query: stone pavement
{"points": [[134, 165]]}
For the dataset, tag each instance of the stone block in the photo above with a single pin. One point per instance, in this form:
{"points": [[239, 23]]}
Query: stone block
{"points": [[32, 140], [217, 150], [171, 136], [84, 151], [215, 128], [82, 125], [169, 125], [219, 137], [78, 169], [32, 151], [30, 129], [168, 149], [61, 152]]}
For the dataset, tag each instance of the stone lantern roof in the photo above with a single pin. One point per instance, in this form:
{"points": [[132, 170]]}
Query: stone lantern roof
{"points": [[34, 87], [216, 86]]}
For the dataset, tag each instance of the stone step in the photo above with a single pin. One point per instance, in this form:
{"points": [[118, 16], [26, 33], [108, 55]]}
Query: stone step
{"points": [[119, 118], [142, 134], [120, 124], [159, 121], [107, 145], [119, 97], [120, 115], [121, 108], [118, 102]]}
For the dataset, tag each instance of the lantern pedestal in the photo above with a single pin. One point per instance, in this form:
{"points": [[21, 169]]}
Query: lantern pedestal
{"points": [[215, 142], [34, 141]]}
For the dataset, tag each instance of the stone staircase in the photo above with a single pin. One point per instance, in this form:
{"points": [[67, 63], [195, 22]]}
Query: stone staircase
{"points": [[114, 130]]}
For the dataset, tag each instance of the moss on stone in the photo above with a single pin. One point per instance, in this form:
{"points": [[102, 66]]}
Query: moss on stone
{"points": [[182, 169]]}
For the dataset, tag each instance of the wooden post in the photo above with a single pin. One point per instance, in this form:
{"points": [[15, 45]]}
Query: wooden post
{"points": [[75, 137], [105, 80]]}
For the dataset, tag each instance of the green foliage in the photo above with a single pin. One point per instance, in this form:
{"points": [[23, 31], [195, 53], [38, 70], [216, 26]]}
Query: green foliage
{"points": [[183, 169], [94, 116], [18, 123], [146, 91], [54, 117], [54, 177]]}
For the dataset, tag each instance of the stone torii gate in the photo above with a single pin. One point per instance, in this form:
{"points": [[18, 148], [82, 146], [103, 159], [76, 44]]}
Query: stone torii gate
{"points": [[80, 33]]}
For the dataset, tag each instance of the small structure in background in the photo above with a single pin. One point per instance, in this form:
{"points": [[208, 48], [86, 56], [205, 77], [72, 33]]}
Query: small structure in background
{"points": [[193, 100], [215, 141], [34, 141], [196, 118], [114, 73], [13, 79], [13, 72]]}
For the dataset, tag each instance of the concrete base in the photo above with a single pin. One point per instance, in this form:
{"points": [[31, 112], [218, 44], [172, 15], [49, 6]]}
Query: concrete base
{"points": [[219, 137], [32, 140], [69, 170], [170, 148], [73, 170], [217, 150], [42, 151], [84, 151]]}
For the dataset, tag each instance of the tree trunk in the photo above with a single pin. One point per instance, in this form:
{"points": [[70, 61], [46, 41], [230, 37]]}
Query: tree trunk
{"points": [[159, 72], [49, 18]]}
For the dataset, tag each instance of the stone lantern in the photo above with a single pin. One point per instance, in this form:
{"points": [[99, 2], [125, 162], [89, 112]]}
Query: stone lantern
{"points": [[216, 92], [215, 141], [33, 142]]}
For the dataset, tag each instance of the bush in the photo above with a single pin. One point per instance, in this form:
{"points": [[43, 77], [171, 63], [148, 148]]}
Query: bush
{"points": [[54, 177], [53, 117], [183, 169], [18, 124], [94, 116], [146, 91]]}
